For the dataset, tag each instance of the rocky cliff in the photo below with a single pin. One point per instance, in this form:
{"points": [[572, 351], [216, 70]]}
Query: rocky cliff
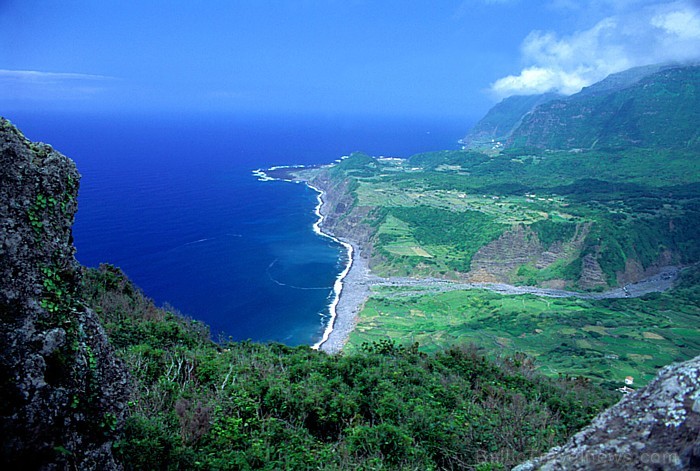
{"points": [[341, 216], [657, 427], [63, 393]]}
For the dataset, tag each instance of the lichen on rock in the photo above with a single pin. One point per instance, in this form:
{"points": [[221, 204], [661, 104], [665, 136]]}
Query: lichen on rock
{"points": [[656, 427]]}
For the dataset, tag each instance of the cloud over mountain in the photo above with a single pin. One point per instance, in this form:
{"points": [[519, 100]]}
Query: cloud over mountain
{"points": [[658, 33]]}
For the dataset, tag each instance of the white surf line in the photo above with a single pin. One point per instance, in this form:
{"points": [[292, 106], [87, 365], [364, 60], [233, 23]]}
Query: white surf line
{"points": [[264, 177], [338, 285]]}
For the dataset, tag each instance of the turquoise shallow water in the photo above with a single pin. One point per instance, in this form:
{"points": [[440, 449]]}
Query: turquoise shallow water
{"points": [[173, 203]]}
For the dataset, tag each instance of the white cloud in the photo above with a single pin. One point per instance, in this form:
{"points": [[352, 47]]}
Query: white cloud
{"points": [[35, 75], [533, 80], [681, 24], [38, 85], [655, 34]]}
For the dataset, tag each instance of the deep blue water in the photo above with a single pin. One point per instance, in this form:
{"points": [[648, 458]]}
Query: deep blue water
{"points": [[173, 203]]}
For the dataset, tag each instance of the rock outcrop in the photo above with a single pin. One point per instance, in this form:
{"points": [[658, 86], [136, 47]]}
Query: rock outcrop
{"points": [[499, 260], [654, 428], [63, 393]]}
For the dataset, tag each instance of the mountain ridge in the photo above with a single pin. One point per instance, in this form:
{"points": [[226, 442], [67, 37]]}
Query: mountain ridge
{"points": [[624, 109]]}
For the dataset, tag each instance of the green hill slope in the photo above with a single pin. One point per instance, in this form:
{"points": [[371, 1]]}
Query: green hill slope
{"points": [[502, 119], [651, 106], [660, 110]]}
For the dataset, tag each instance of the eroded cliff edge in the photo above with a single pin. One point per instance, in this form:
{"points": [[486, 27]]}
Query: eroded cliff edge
{"points": [[63, 393]]}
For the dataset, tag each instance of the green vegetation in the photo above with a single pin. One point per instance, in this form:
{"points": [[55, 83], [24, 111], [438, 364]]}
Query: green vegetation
{"points": [[358, 165], [57, 294], [435, 211], [503, 118], [431, 240], [607, 197], [601, 193], [199, 405], [602, 339], [659, 110], [605, 339]]}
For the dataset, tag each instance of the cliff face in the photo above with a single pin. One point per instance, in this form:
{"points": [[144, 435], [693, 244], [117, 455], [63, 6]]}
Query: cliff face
{"points": [[63, 393], [657, 427], [496, 261], [342, 217]]}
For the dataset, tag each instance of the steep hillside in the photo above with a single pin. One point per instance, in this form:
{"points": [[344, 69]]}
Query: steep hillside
{"points": [[532, 218], [502, 119], [658, 110], [63, 393], [623, 79], [611, 174], [650, 106]]}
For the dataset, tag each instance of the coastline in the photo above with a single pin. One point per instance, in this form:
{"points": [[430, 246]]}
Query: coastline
{"points": [[352, 286], [350, 289]]}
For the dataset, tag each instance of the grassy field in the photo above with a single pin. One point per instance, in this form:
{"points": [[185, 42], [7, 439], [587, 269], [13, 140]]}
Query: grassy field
{"points": [[605, 340], [432, 213], [504, 209]]}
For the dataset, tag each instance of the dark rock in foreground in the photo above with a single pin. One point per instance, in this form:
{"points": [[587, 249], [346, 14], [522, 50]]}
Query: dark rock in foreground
{"points": [[657, 427], [63, 393]]}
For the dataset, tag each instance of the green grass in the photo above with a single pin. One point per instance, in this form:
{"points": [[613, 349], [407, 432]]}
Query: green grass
{"points": [[605, 340], [512, 209]]}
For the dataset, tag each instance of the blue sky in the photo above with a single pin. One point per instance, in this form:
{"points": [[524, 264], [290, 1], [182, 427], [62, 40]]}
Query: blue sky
{"points": [[394, 57]]}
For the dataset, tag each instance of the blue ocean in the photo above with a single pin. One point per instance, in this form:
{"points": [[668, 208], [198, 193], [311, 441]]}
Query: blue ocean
{"points": [[173, 202]]}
